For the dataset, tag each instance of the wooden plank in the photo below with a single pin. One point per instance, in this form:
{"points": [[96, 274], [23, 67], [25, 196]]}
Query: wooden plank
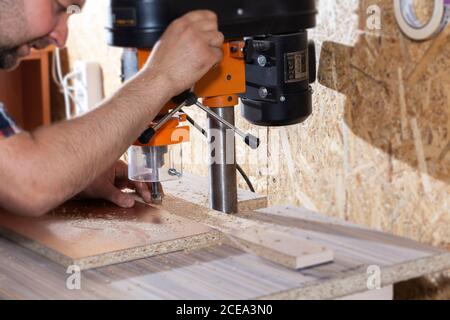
{"points": [[309, 221], [95, 233], [284, 249], [272, 242]]}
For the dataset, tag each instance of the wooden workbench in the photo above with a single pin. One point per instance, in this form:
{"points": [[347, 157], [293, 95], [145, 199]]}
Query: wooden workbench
{"points": [[224, 272]]}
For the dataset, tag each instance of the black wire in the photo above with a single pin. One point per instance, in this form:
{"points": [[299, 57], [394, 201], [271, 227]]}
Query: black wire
{"points": [[238, 167], [246, 178]]}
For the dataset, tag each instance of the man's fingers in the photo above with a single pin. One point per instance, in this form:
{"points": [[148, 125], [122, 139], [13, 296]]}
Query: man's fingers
{"points": [[144, 191], [121, 176], [206, 26], [121, 169], [119, 198], [216, 39], [218, 55], [200, 15]]}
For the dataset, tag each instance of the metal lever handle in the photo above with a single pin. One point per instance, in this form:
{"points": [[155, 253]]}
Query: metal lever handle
{"points": [[185, 99], [188, 98], [249, 139]]}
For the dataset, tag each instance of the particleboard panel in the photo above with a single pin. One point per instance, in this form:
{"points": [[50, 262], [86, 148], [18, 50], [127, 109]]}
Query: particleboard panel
{"points": [[195, 189], [283, 248], [91, 234], [224, 272]]}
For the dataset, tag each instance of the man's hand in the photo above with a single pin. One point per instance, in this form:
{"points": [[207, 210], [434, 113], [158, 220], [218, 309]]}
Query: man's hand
{"points": [[109, 186], [189, 48]]}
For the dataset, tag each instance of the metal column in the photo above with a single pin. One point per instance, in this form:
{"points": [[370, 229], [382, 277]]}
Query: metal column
{"points": [[222, 172]]}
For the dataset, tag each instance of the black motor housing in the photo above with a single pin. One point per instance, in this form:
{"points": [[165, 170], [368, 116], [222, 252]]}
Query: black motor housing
{"points": [[279, 69], [140, 23]]}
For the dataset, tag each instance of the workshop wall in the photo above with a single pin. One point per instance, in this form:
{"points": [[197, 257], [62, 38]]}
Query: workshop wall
{"points": [[87, 41], [375, 151]]}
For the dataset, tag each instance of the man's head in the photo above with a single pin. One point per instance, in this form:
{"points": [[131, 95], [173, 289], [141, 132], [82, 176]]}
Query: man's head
{"points": [[26, 24]]}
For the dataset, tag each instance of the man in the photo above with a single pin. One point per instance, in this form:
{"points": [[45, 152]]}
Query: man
{"points": [[42, 169]]}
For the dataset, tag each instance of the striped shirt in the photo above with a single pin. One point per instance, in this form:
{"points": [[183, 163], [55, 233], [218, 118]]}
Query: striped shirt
{"points": [[7, 125]]}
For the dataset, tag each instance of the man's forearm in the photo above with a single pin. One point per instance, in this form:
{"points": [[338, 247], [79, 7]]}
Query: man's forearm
{"points": [[55, 163]]}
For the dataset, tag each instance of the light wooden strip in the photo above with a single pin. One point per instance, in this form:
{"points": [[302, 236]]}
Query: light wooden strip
{"points": [[272, 242], [285, 249]]}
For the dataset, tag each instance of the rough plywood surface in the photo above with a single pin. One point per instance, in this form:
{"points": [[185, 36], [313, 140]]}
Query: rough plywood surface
{"points": [[92, 233]]}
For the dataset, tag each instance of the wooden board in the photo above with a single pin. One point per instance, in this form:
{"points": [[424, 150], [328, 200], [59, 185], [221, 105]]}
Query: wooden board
{"points": [[224, 272], [95, 233], [275, 243], [282, 248]]}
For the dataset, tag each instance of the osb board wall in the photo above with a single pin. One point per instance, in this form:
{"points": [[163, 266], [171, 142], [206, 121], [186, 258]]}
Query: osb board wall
{"points": [[392, 167], [376, 149]]}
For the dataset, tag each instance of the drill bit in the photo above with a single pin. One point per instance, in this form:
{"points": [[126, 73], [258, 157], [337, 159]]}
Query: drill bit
{"points": [[157, 195]]}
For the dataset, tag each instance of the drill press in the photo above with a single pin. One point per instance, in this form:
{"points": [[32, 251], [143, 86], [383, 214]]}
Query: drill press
{"points": [[268, 63]]}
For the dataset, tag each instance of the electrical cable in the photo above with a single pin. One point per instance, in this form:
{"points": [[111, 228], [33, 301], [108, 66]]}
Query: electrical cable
{"points": [[63, 83]]}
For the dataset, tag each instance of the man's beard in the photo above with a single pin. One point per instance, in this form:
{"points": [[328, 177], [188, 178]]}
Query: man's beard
{"points": [[13, 20], [9, 58]]}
